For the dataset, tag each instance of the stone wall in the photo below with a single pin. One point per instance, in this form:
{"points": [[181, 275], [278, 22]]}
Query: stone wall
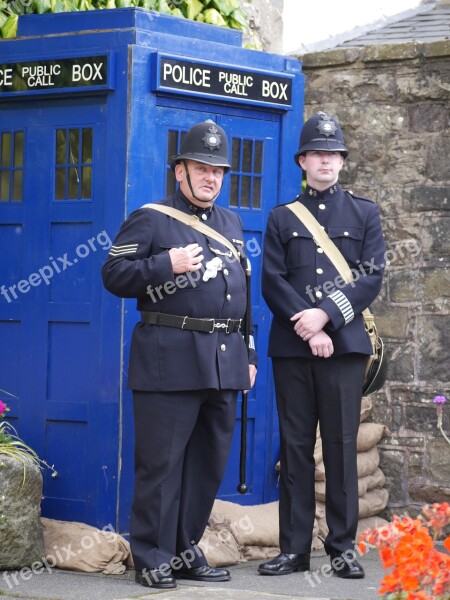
{"points": [[393, 105]]}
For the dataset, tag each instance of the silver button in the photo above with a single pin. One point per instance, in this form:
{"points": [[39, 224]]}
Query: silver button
{"points": [[319, 294], [295, 234], [322, 206], [204, 217], [345, 232], [319, 271], [320, 250], [223, 347], [225, 271], [228, 297]]}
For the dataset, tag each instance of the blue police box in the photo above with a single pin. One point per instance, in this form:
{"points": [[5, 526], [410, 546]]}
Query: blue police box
{"points": [[92, 107]]}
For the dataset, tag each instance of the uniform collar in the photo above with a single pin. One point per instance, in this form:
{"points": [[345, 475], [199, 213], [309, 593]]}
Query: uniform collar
{"points": [[192, 208], [310, 192]]}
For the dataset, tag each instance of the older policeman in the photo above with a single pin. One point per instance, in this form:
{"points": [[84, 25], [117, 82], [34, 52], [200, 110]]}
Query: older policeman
{"points": [[188, 359]]}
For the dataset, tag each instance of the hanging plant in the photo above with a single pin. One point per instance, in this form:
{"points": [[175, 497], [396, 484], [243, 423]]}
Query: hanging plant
{"points": [[13, 447], [224, 13]]}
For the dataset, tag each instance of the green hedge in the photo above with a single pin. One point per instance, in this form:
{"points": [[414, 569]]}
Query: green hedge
{"points": [[224, 13]]}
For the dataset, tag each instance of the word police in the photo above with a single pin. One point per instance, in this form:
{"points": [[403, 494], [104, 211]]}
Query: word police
{"points": [[222, 81], [53, 74]]}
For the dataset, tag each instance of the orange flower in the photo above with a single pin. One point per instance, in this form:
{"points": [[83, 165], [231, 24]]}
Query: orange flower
{"points": [[418, 570]]}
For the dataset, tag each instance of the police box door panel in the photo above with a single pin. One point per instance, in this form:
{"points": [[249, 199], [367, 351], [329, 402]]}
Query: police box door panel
{"points": [[250, 189], [53, 245]]}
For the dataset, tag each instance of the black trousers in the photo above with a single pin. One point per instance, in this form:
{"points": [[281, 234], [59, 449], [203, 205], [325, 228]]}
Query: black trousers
{"points": [[182, 442], [327, 391]]}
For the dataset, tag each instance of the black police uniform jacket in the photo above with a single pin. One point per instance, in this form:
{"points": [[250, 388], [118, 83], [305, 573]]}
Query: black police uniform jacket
{"points": [[139, 266], [297, 274]]}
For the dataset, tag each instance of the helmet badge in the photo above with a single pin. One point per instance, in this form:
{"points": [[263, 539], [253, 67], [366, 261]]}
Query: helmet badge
{"points": [[326, 126], [212, 139]]}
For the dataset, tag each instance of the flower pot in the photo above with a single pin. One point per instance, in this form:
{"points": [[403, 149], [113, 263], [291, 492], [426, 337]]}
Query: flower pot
{"points": [[21, 533]]}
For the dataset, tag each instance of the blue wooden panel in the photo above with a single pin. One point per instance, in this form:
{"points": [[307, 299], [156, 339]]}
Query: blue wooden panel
{"points": [[10, 350], [71, 262], [67, 445], [59, 246]]}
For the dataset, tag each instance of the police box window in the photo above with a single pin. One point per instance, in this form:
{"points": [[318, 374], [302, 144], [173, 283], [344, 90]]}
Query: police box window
{"points": [[246, 173], [73, 164], [11, 166]]}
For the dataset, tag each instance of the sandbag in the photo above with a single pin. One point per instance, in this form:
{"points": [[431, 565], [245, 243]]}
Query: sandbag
{"points": [[320, 487], [373, 502], [370, 482], [319, 473], [369, 434], [259, 552], [320, 510], [368, 462], [80, 547], [323, 527], [317, 543], [366, 408], [220, 547], [251, 525]]}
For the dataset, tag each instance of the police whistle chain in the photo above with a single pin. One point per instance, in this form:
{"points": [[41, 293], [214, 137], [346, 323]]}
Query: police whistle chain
{"points": [[242, 487]]}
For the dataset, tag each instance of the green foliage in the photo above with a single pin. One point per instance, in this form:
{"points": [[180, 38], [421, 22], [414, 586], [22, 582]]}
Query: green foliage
{"points": [[224, 13]]}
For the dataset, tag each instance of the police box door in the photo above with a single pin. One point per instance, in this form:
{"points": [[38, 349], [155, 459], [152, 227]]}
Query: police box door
{"points": [[53, 245], [250, 189]]}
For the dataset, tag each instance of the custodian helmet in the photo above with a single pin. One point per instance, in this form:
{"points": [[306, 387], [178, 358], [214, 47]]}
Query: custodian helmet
{"points": [[321, 132], [205, 142]]}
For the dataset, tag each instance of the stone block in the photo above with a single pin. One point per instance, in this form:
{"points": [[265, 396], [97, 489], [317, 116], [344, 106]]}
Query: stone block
{"points": [[427, 117], [392, 464], [430, 198], [436, 290], [434, 347], [392, 321], [415, 465], [435, 49], [428, 493], [391, 52], [21, 534], [423, 419], [421, 84], [436, 238], [437, 157], [400, 360], [438, 463], [380, 409], [405, 286]]}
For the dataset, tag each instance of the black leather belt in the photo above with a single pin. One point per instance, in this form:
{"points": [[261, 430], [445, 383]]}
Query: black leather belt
{"points": [[190, 323]]}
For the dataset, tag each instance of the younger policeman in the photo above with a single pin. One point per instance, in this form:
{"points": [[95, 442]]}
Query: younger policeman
{"points": [[319, 348], [188, 360]]}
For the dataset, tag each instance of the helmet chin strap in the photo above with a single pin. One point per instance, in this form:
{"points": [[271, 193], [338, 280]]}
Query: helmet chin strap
{"points": [[188, 179]]}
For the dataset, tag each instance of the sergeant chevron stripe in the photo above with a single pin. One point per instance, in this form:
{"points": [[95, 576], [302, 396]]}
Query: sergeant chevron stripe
{"points": [[124, 249], [342, 302]]}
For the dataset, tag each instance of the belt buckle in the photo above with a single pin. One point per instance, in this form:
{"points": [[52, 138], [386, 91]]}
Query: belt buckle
{"points": [[213, 324], [228, 330], [183, 323]]}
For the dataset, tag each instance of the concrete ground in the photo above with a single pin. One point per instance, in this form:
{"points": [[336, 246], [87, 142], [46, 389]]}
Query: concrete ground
{"points": [[245, 583]]}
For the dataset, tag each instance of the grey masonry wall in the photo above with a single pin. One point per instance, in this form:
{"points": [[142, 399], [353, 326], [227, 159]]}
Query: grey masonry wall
{"points": [[393, 103]]}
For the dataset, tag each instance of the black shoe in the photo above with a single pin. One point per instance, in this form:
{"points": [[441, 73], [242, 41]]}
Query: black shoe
{"points": [[203, 573], [345, 565], [153, 578], [283, 564]]}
